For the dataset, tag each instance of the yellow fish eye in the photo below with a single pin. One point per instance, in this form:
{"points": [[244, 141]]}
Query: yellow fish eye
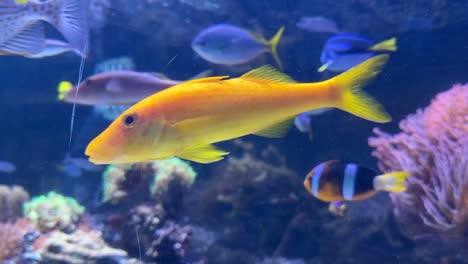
{"points": [[130, 120]]}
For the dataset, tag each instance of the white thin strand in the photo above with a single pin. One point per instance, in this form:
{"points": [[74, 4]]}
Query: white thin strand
{"points": [[173, 58], [80, 76], [138, 240]]}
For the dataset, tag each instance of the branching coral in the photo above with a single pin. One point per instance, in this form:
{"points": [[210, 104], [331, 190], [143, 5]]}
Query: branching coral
{"points": [[53, 211], [433, 146], [11, 202], [11, 238]]}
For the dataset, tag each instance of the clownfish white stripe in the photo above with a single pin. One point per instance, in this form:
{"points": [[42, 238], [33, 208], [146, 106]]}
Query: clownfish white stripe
{"points": [[316, 179], [349, 180]]}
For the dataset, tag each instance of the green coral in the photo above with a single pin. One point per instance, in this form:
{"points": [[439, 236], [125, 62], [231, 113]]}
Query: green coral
{"points": [[53, 211], [168, 170]]}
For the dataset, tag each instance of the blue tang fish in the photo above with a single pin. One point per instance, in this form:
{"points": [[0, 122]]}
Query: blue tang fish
{"points": [[21, 26], [344, 51], [230, 45]]}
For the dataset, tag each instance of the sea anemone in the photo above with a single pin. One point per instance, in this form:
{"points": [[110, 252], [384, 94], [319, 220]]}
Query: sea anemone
{"points": [[433, 146]]}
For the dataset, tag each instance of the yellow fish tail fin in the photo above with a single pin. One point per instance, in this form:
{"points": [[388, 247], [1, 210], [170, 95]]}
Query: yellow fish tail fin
{"points": [[273, 46], [203, 153], [353, 99], [62, 89], [391, 182], [386, 45]]}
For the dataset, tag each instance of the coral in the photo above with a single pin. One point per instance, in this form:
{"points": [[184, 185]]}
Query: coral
{"points": [[145, 199], [11, 202], [165, 181], [11, 238], [169, 170], [433, 146], [242, 198], [147, 231], [81, 246], [53, 211]]}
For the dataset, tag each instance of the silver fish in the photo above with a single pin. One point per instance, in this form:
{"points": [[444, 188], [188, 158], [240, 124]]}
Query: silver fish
{"points": [[21, 28], [55, 47]]}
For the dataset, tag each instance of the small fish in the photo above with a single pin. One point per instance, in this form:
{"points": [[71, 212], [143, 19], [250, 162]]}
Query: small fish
{"points": [[116, 88], [21, 29], [304, 120], [230, 45], [336, 181], [344, 51], [337, 208], [185, 120], [7, 167], [55, 47], [318, 24], [123, 63], [74, 167], [109, 112]]}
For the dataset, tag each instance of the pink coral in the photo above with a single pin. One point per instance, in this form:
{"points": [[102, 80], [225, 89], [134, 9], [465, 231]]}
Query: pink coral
{"points": [[11, 238], [433, 146]]}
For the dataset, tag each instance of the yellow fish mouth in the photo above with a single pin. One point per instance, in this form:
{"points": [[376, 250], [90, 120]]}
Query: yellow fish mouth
{"points": [[98, 157]]}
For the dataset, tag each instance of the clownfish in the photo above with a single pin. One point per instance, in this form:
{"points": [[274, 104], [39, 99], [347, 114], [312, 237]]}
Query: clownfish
{"points": [[336, 181]]}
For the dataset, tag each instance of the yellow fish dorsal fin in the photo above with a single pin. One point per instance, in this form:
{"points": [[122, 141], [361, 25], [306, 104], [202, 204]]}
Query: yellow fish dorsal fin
{"points": [[268, 73], [277, 130], [208, 79], [386, 45], [202, 153], [63, 88]]}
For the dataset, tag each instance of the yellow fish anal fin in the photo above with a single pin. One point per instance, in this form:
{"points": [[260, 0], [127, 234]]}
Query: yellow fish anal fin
{"points": [[202, 153], [268, 73], [277, 130], [208, 79], [386, 45], [63, 88]]}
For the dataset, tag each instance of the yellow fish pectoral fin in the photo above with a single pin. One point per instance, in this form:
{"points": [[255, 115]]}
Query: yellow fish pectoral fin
{"points": [[277, 130], [203, 153]]}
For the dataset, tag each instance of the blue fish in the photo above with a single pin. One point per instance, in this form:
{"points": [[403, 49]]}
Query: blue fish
{"points": [[7, 167], [230, 45], [344, 51], [303, 121]]}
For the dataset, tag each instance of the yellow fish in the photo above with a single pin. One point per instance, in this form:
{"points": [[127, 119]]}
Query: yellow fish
{"points": [[185, 120]]}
